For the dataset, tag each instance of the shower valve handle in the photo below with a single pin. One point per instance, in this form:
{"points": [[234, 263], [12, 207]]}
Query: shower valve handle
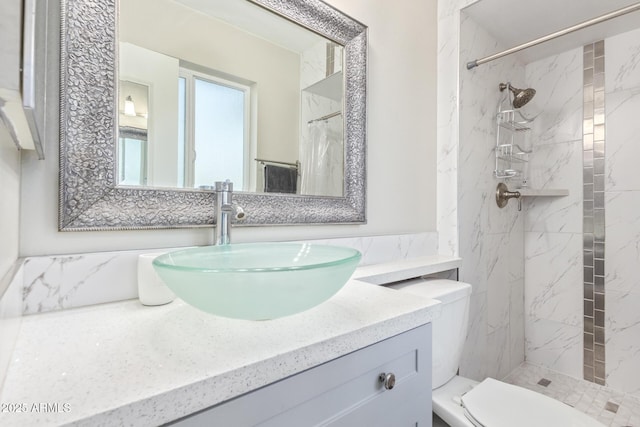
{"points": [[503, 195]]}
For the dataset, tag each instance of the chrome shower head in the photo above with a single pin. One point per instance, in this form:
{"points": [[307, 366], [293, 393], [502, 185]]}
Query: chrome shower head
{"points": [[520, 96]]}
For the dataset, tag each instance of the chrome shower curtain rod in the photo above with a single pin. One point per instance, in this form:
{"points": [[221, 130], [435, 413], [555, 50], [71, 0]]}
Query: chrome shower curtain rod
{"points": [[328, 116], [585, 24]]}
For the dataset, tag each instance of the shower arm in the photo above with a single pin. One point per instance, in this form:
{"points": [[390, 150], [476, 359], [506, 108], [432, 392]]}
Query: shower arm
{"points": [[580, 26]]}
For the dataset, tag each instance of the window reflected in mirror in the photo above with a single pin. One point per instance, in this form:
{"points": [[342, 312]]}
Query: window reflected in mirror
{"points": [[233, 91], [133, 108], [133, 158], [214, 142]]}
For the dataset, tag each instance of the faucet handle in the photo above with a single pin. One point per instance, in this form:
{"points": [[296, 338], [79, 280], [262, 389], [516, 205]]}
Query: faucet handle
{"points": [[239, 213], [225, 185]]}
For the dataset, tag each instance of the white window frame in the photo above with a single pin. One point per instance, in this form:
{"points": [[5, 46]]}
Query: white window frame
{"points": [[190, 76]]}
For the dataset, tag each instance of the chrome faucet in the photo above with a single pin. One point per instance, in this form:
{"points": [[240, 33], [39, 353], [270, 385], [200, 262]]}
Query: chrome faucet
{"points": [[225, 210]]}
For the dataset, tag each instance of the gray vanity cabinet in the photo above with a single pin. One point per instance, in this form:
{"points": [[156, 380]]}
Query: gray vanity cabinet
{"points": [[348, 391]]}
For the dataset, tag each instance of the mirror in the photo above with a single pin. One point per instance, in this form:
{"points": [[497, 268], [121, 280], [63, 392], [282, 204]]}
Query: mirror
{"points": [[116, 173], [236, 92]]}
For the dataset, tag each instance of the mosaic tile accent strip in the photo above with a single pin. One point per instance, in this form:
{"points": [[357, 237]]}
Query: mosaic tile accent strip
{"points": [[610, 407], [593, 142]]}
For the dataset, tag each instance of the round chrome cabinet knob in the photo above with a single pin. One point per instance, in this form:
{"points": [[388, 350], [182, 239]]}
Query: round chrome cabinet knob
{"points": [[389, 380]]}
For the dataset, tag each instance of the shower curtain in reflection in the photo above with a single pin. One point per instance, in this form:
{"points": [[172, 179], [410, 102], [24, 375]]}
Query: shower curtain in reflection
{"points": [[322, 159]]}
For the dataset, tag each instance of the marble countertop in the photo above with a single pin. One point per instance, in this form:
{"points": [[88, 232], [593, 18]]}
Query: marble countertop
{"points": [[126, 364], [395, 271]]}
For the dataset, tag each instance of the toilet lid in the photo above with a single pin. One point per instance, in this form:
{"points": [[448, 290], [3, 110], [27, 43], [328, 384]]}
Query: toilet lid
{"points": [[493, 403]]}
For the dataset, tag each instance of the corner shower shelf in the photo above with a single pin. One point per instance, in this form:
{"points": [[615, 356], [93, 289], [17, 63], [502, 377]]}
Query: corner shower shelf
{"points": [[329, 87], [511, 159], [513, 126], [503, 194], [530, 192]]}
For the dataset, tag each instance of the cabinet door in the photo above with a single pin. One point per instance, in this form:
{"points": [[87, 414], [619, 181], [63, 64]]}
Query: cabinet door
{"points": [[343, 392]]}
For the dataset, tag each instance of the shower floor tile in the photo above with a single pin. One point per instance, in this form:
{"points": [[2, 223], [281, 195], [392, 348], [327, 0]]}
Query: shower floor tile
{"points": [[610, 407]]}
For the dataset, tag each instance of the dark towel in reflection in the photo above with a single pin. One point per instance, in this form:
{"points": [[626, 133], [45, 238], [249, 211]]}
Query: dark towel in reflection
{"points": [[280, 179]]}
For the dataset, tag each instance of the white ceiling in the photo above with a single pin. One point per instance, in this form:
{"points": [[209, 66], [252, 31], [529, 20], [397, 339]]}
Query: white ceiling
{"points": [[257, 21], [513, 22]]}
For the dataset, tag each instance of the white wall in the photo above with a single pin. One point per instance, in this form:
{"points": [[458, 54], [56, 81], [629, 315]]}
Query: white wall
{"points": [[401, 113], [160, 73], [9, 201], [491, 239], [10, 13], [401, 157], [154, 24]]}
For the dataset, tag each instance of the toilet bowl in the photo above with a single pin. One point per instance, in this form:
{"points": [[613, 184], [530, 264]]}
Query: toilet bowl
{"points": [[462, 402]]}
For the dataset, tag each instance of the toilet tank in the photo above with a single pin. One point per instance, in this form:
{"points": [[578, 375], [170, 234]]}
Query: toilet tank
{"points": [[450, 329]]}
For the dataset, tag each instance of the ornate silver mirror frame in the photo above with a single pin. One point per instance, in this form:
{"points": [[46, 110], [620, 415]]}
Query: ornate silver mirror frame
{"points": [[89, 196]]}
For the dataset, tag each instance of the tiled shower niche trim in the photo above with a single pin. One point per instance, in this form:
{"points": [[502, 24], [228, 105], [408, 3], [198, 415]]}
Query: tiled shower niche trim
{"points": [[593, 143]]}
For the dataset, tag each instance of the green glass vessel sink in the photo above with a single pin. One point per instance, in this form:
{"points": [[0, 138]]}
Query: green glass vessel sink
{"points": [[257, 281]]}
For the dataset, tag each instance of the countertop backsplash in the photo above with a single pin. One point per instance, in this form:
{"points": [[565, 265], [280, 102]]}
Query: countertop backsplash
{"points": [[60, 282]]}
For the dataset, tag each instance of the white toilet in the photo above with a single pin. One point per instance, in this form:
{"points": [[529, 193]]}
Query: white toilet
{"points": [[462, 402]]}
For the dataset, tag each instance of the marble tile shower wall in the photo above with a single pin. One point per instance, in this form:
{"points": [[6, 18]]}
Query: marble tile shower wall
{"points": [[448, 123], [553, 226], [68, 281], [622, 205], [491, 239]]}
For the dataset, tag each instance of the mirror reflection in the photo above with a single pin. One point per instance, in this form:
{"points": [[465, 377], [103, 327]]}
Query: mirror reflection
{"points": [[222, 89]]}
